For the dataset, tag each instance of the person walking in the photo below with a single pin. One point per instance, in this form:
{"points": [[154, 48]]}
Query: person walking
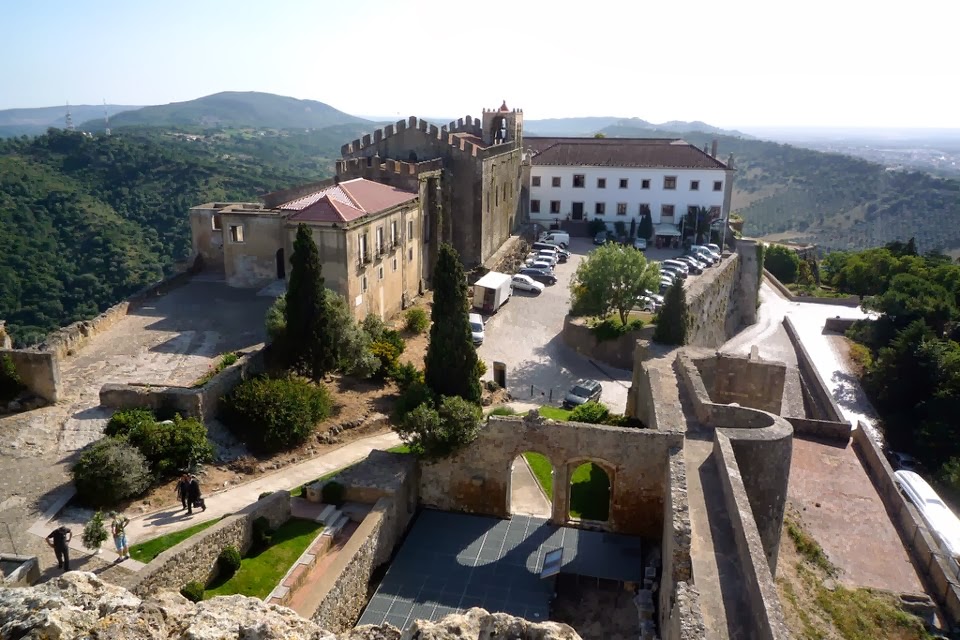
{"points": [[183, 490], [59, 539], [119, 529], [194, 498]]}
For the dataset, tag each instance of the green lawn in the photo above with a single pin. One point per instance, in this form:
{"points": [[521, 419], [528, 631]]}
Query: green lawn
{"points": [[590, 490], [400, 448], [147, 551], [555, 413], [259, 574], [542, 470]]}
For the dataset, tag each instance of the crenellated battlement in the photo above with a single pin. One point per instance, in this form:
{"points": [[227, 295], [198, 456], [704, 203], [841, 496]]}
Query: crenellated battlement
{"points": [[444, 134], [372, 169], [468, 124]]}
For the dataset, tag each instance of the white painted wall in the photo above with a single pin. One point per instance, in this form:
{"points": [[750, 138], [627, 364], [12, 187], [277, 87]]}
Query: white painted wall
{"points": [[681, 197]]}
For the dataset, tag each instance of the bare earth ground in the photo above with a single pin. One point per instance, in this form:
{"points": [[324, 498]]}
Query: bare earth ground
{"points": [[598, 611]]}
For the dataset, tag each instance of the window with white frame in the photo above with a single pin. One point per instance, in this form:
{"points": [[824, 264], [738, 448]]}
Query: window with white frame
{"points": [[600, 208], [363, 247], [579, 181], [621, 208], [393, 233], [623, 183], [555, 181], [554, 206], [535, 181], [718, 185], [694, 185], [236, 233], [670, 182], [534, 206], [601, 183], [645, 184], [666, 211]]}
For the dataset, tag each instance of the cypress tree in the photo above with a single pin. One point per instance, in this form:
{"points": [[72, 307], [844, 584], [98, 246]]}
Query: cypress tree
{"points": [[451, 361], [310, 341], [646, 227], [672, 320]]}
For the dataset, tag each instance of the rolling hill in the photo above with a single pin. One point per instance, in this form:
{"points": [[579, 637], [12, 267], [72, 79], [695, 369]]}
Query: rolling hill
{"points": [[233, 109], [588, 126], [32, 122]]}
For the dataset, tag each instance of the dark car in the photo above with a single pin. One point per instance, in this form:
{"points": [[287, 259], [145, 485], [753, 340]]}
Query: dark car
{"points": [[539, 275], [693, 266], [601, 238], [581, 392]]}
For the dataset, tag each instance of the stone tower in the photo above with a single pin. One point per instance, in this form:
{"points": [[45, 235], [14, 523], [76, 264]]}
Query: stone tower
{"points": [[502, 125]]}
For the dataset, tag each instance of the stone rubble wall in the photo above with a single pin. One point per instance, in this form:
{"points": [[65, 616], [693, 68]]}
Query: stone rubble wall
{"points": [[196, 402], [195, 559], [766, 614], [935, 567]]}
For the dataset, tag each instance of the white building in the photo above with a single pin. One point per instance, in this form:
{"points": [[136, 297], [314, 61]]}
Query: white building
{"points": [[615, 179]]}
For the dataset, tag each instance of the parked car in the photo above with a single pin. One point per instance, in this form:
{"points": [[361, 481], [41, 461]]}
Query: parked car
{"points": [[561, 238], [540, 275], [601, 238], [656, 297], [526, 283], [537, 263], [551, 256], [903, 461], [648, 304], [675, 271], [476, 328], [581, 392], [679, 264], [715, 248], [693, 266], [701, 250], [640, 244], [703, 263]]}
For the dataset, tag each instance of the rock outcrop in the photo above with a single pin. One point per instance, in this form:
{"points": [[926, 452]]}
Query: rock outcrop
{"points": [[81, 605]]}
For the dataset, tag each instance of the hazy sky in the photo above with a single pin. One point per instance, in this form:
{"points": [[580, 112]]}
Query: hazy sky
{"points": [[731, 63]]}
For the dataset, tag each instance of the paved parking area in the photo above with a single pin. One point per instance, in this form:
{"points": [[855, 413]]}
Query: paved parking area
{"points": [[525, 335]]}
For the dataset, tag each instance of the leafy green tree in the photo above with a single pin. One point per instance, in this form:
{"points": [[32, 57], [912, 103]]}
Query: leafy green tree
{"points": [[645, 229], [611, 279], [451, 360], [697, 223], [783, 263], [672, 318], [911, 298], [436, 432], [308, 321]]}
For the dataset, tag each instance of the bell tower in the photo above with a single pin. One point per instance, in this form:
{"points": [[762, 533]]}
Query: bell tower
{"points": [[502, 125]]}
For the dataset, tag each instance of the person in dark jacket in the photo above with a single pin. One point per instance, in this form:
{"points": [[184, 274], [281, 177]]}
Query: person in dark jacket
{"points": [[183, 489], [194, 499], [59, 539]]}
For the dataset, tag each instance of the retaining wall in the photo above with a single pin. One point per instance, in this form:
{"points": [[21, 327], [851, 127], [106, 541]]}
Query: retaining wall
{"points": [[840, 325], [197, 402], [823, 429], [195, 559], [616, 353], [824, 406], [934, 566], [39, 371], [848, 301], [766, 614]]}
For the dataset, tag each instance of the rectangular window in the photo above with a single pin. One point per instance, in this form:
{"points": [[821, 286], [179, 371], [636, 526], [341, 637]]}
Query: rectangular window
{"points": [[363, 284], [379, 240], [694, 185], [601, 183], [666, 211], [215, 221], [621, 208], [534, 206], [536, 181], [363, 247], [644, 184], [623, 183], [394, 264], [670, 182], [600, 208], [236, 233], [579, 181], [554, 206], [409, 230], [380, 273], [718, 185], [714, 213], [394, 239], [410, 255], [555, 182]]}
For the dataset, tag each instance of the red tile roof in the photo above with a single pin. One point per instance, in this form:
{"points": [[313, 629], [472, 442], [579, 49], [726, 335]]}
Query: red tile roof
{"points": [[347, 201], [667, 153]]}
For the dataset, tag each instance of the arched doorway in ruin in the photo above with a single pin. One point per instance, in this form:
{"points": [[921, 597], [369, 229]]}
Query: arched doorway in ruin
{"points": [[531, 485], [589, 492]]}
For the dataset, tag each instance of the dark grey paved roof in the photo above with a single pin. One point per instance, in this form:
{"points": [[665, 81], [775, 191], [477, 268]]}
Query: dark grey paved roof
{"points": [[451, 562], [650, 153]]}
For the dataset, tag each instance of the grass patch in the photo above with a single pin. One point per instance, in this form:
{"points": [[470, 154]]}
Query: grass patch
{"points": [[865, 614], [808, 548], [502, 411], [815, 291], [297, 492], [555, 413], [147, 551], [542, 471], [259, 574], [225, 361], [400, 448], [589, 493]]}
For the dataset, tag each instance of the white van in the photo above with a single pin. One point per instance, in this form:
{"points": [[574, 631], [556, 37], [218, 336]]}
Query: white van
{"points": [[561, 238], [941, 521]]}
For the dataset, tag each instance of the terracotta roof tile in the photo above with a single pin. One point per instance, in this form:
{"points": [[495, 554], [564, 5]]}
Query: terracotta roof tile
{"points": [[620, 152], [346, 201]]}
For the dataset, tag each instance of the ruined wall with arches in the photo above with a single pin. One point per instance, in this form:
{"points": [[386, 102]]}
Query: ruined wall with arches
{"points": [[477, 478]]}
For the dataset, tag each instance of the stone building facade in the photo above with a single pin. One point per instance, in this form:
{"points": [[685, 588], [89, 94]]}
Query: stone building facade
{"points": [[478, 189], [369, 225]]}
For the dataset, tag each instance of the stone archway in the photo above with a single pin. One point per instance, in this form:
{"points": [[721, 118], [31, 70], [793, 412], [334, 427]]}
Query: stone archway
{"points": [[589, 490], [532, 482]]}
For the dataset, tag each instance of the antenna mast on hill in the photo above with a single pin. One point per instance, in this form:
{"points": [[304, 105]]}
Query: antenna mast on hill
{"points": [[69, 118], [106, 117]]}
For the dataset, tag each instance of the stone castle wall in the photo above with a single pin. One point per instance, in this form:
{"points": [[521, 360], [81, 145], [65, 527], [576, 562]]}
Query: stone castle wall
{"points": [[723, 299], [618, 352]]}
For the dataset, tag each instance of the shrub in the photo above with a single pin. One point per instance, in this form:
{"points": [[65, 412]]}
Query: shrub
{"points": [[590, 412], [415, 395], [438, 432], [94, 532], [503, 411], [126, 420], [262, 535], [783, 263], [333, 493], [861, 357], [612, 328], [109, 471], [228, 561], [481, 368], [416, 320], [405, 375], [273, 414], [10, 383], [387, 354], [173, 445], [491, 385], [595, 226], [192, 591]]}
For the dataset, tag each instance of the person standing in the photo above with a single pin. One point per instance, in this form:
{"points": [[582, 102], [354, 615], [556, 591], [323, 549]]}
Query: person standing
{"points": [[119, 529], [194, 498], [59, 539], [183, 490]]}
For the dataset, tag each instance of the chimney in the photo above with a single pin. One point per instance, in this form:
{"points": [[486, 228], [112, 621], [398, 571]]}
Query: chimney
{"points": [[713, 149], [705, 148]]}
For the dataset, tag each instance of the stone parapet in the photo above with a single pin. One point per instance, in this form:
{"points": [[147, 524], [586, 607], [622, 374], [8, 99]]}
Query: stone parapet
{"points": [[823, 429], [846, 301], [824, 405], [618, 352]]}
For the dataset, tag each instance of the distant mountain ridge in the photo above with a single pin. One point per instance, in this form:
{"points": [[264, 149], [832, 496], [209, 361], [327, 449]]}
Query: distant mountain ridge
{"points": [[34, 121], [234, 109], [591, 125]]}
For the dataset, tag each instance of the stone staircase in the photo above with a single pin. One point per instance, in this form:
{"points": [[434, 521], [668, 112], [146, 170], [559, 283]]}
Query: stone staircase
{"points": [[333, 520]]}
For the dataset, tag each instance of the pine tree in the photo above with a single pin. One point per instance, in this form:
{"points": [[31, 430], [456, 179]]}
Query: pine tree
{"points": [[308, 333], [451, 361], [672, 320]]}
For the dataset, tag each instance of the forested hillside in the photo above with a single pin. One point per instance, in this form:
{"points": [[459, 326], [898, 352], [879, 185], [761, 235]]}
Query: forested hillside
{"points": [[836, 201], [87, 220]]}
